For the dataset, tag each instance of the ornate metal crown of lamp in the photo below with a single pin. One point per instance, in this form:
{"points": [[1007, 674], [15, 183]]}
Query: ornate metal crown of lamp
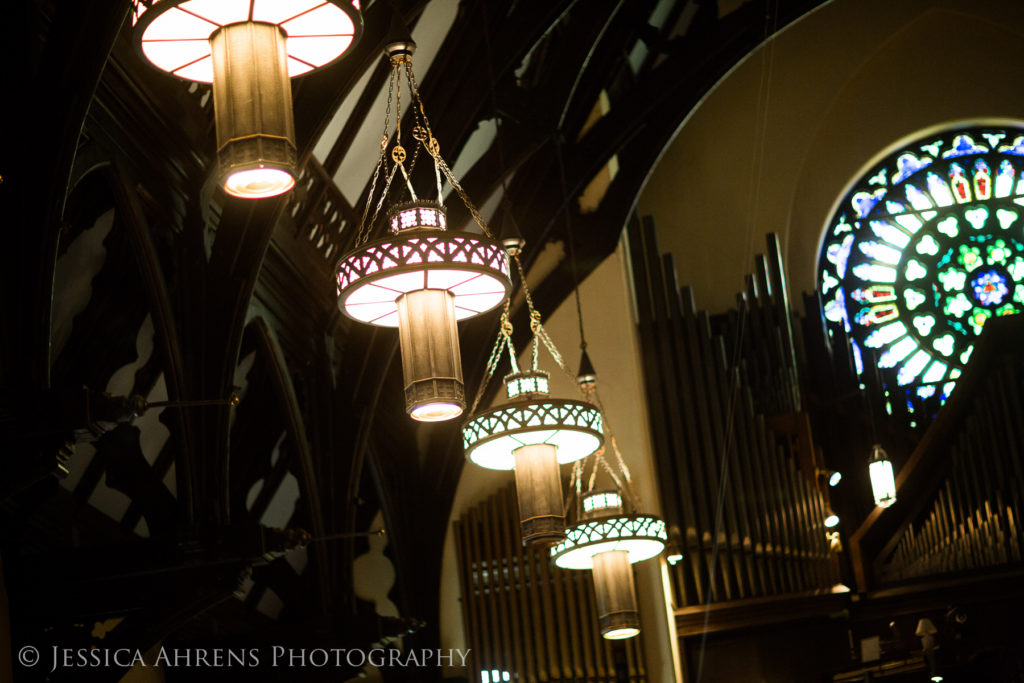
{"points": [[248, 50], [422, 278], [607, 538], [532, 433]]}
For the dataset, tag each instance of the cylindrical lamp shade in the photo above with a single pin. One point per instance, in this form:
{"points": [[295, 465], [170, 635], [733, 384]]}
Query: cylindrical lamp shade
{"points": [[883, 483], [618, 615], [539, 491], [252, 107], [431, 364], [248, 49]]}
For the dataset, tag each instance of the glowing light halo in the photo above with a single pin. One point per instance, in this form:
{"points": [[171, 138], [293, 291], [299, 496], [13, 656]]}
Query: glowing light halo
{"points": [[641, 536], [258, 183], [174, 35], [491, 437]]}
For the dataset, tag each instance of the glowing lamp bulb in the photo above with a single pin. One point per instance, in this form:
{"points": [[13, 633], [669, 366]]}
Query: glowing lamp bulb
{"points": [[258, 183], [883, 483]]}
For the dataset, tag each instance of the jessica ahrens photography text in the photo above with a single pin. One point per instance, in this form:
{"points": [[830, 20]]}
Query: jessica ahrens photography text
{"points": [[239, 658]]}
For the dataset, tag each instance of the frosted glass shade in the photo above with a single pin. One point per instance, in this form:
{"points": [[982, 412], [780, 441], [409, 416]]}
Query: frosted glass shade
{"points": [[618, 615], [641, 536], [491, 437], [472, 267], [174, 35], [883, 483], [431, 365], [252, 107], [539, 492]]}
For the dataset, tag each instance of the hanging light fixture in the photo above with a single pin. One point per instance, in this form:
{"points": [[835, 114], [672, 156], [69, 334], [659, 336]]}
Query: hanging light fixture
{"points": [[248, 50], [609, 541], [533, 434], [831, 518], [883, 484], [422, 278]]}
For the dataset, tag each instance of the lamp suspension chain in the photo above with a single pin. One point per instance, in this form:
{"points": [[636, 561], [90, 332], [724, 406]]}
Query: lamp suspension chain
{"points": [[364, 228]]}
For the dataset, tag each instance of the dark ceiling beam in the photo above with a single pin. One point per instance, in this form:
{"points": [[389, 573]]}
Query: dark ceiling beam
{"points": [[161, 309], [318, 95], [44, 131], [638, 129], [576, 66], [288, 404], [457, 89]]}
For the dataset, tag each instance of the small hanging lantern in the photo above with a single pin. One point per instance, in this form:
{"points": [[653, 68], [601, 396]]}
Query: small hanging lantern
{"points": [[883, 483], [533, 434], [422, 278], [831, 518], [248, 50], [608, 541]]}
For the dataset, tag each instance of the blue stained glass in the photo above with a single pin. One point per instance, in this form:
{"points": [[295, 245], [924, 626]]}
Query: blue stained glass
{"points": [[900, 350], [919, 200], [890, 233], [913, 367], [907, 165], [880, 252], [1017, 147], [885, 335], [936, 371], [939, 190], [1004, 181], [839, 253], [990, 288], [962, 146], [909, 221], [874, 273], [863, 202], [858, 358]]}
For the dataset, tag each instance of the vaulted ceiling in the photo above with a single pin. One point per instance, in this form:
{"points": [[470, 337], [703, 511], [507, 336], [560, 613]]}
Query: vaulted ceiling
{"points": [[127, 271]]}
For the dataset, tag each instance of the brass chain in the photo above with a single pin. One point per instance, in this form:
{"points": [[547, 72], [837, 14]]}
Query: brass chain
{"points": [[365, 228], [433, 148], [504, 339]]}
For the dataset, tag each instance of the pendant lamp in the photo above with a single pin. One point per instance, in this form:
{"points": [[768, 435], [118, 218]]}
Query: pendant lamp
{"points": [[421, 277], [609, 542], [533, 434], [249, 50], [883, 483]]}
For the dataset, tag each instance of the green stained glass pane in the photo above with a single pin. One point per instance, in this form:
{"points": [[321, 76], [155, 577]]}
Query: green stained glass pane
{"points": [[1006, 217], [977, 217], [915, 270], [924, 324], [927, 246], [952, 279], [949, 226], [957, 306]]}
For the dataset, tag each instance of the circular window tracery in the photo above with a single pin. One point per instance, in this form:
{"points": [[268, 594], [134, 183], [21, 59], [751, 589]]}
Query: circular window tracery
{"points": [[924, 249]]}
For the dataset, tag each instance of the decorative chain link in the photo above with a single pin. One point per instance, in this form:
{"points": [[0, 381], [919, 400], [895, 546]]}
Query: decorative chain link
{"points": [[365, 228], [504, 339]]}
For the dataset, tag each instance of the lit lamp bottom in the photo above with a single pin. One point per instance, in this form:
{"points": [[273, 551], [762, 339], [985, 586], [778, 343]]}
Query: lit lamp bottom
{"points": [[618, 615], [539, 490], [432, 368]]}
